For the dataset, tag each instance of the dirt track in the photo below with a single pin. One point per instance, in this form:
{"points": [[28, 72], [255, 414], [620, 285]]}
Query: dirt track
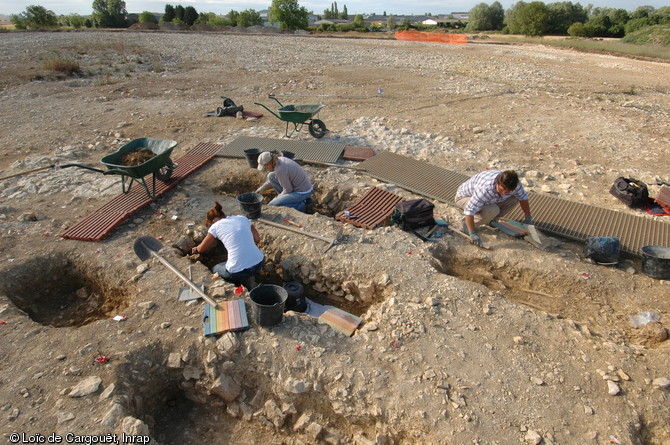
{"points": [[457, 345]]}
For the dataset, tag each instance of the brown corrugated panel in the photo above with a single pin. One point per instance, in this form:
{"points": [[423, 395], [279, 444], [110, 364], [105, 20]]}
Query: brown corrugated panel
{"points": [[414, 175], [663, 197], [98, 225], [326, 152], [553, 215], [357, 153], [375, 207]]}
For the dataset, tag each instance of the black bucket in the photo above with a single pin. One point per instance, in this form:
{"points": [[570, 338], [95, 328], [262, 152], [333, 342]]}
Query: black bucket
{"points": [[267, 304], [656, 261], [288, 154], [251, 204], [296, 301], [603, 250], [252, 155]]}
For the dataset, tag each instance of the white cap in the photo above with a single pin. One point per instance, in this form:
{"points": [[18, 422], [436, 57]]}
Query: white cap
{"points": [[263, 159]]}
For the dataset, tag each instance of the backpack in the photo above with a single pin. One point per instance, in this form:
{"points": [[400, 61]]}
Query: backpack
{"points": [[630, 191], [229, 108], [413, 214]]}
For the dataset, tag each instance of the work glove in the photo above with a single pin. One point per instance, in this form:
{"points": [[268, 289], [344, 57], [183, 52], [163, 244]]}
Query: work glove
{"points": [[475, 239], [259, 190], [528, 220]]}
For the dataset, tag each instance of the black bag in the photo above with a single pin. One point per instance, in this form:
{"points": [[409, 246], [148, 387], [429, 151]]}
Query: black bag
{"points": [[413, 214], [229, 108], [631, 192]]}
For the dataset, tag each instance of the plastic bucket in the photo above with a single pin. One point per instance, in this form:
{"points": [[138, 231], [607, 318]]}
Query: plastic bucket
{"points": [[252, 155], [288, 154], [267, 304], [296, 301], [656, 261], [603, 249], [251, 204]]}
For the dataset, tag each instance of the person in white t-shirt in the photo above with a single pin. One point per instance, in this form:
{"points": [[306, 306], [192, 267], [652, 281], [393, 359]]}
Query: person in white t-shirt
{"points": [[240, 238]]}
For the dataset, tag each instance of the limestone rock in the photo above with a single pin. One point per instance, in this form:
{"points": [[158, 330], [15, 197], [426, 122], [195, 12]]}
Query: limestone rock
{"points": [[226, 388], [134, 427], [87, 386]]}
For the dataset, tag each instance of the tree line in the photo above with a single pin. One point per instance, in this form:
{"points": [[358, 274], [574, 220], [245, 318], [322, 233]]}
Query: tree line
{"points": [[563, 18], [113, 14], [527, 18]]}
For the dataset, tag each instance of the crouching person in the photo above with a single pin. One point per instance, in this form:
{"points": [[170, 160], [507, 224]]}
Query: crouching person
{"points": [[289, 180]]}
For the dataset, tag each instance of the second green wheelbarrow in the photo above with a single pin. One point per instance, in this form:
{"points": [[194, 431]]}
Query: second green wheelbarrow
{"points": [[299, 115]]}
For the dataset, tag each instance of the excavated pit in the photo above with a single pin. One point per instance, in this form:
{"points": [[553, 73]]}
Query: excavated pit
{"points": [[178, 410], [60, 291], [238, 183]]}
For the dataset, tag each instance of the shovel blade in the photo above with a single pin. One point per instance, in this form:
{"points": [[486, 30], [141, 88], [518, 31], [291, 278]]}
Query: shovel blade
{"points": [[144, 245]]}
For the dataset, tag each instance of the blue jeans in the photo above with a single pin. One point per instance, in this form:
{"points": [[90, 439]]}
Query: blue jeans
{"points": [[294, 200], [236, 277]]}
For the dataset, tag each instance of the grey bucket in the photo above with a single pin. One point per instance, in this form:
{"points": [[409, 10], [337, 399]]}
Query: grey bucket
{"points": [[252, 155], [602, 249], [251, 204], [267, 304], [656, 262]]}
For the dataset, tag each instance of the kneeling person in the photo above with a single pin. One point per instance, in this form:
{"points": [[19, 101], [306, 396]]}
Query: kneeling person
{"points": [[240, 238]]}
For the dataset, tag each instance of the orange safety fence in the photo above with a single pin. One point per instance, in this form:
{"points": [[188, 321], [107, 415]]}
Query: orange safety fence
{"points": [[420, 36]]}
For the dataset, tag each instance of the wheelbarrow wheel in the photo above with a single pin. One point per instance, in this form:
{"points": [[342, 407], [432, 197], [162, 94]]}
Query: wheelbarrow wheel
{"points": [[165, 172], [317, 128]]}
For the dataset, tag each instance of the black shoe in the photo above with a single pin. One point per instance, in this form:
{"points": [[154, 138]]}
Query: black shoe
{"points": [[309, 206]]}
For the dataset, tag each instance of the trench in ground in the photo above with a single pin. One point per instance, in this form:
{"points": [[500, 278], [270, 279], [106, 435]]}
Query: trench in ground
{"points": [[235, 185], [177, 411], [61, 291]]}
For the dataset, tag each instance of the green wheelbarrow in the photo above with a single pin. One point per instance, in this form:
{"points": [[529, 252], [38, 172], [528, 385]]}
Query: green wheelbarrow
{"points": [[299, 115], [160, 166]]}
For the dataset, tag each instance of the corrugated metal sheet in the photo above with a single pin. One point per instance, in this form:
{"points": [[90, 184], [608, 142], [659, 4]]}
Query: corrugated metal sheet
{"points": [[375, 207], [414, 175], [99, 224], [553, 215], [326, 152]]}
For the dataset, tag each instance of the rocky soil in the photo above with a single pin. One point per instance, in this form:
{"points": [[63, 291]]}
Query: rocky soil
{"points": [[457, 345]]}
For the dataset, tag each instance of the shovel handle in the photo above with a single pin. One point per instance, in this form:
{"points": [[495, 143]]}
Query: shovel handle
{"points": [[184, 278]]}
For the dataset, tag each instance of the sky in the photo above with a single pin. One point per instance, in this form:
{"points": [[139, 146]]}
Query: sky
{"points": [[395, 7]]}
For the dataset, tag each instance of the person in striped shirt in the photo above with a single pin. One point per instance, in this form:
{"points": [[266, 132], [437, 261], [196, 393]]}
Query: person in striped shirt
{"points": [[489, 195]]}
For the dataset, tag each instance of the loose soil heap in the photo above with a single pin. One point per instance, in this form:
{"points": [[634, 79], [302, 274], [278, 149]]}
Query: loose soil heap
{"points": [[457, 345]]}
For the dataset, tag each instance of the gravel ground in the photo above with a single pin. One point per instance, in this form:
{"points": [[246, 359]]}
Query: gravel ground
{"points": [[457, 345]]}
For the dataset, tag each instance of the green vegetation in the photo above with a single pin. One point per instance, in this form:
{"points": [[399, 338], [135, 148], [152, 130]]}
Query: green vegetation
{"points": [[147, 17], [651, 35], [35, 17], [109, 13], [615, 47], [486, 18], [289, 14]]}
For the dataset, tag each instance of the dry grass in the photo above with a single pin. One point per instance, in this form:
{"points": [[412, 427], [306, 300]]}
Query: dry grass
{"points": [[68, 67]]}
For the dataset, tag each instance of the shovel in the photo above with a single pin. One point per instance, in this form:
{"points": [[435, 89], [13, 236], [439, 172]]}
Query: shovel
{"points": [[147, 246]]}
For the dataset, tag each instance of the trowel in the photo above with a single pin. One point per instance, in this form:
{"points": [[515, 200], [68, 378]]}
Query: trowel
{"points": [[186, 293], [534, 233]]}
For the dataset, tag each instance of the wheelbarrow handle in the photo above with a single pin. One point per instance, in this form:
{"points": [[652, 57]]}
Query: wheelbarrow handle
{"points": [[83, 166], [273, 113], [272, 96]]}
